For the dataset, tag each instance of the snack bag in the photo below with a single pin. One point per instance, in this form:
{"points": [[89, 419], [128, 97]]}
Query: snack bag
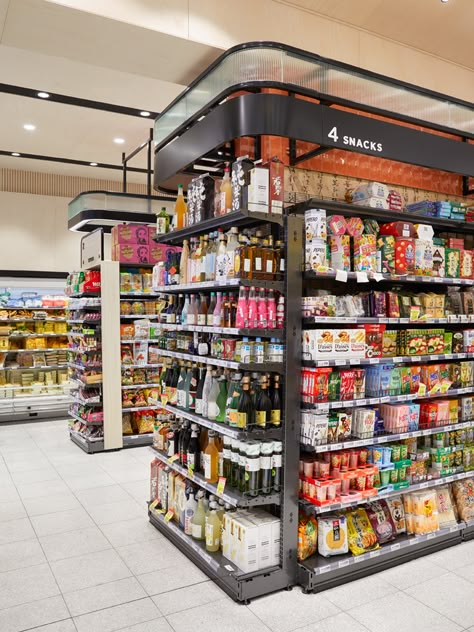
{"points": [[464, 496], [397, 512], [446, 514], [307, 536], [362, 537], [332, 535], [381, 521], [145, 422], [127, 424]]}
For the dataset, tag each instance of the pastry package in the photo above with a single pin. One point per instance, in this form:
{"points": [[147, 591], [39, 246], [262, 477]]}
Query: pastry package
{"points": [[362, 537], [332, 535], [397, 512], [307, 536], [381, 521], [444, 502], [464, 497]]}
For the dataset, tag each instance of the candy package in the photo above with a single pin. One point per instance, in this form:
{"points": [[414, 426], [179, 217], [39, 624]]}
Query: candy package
{"points": [[307, 536], [381, 521], [332, 535], [362, 537]]}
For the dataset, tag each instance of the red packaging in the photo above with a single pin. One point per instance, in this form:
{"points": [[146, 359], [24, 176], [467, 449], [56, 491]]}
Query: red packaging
{"points": [[398, 229], [276, 182], [159, 252], [131, 253], [404, 255], [91, 281], [154, 472], [130, 234], [373, 340], [456, 242], [347, 384]]}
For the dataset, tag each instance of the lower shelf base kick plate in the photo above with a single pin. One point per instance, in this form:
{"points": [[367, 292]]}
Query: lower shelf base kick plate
{"points": [[91, 447]]}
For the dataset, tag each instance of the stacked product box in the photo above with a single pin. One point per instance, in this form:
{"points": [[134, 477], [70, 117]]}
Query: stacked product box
{"points": [[133, 243]]}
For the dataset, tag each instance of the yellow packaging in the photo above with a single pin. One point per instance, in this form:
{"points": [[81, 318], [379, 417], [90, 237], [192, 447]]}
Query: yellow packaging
{"points": [[361, 535]]}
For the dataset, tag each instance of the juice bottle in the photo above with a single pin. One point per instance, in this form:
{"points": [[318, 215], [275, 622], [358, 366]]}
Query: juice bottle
{"points": [[239, 258], [184, 263], [226, 192], [231, 248], [213, 529], [262, 309], [198, 522], [271, 310], [211, 459], [210, 310], [252, 309], [180, 208]]}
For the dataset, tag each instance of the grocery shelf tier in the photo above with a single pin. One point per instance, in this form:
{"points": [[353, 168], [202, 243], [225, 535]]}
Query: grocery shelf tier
{"points": [[35, 368], [238, 585], [90, 446], [221, 428], [365, 277], [231, 496], [229, 331], [84, 421], [435, 482], [236, 218], [271, 367], [219, 285], [18, 319], [460, 319], [434, 357], [318, 573]]}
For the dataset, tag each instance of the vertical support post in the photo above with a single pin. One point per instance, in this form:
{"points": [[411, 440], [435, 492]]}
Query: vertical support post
{"points": [[111, 361], [292, 404], [124, 173], [148, 166]]}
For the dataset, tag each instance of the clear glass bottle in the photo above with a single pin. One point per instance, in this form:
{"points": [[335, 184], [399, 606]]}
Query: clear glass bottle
{"points": [[213, 529], [180, 208], [198, 522], [211, 459]]}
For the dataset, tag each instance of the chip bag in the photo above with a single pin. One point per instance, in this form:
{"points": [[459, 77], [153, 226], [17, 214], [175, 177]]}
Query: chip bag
{"points": [[332, 535], [362, 537], [307, 536]]}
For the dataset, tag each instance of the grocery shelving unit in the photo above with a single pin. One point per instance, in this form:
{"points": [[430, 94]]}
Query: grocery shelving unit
{"points": [[244, 586]]}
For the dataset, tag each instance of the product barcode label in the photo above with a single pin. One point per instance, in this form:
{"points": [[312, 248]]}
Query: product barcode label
{"points": [[424, 485], [374, 553], [395, 547], [343, 563]]}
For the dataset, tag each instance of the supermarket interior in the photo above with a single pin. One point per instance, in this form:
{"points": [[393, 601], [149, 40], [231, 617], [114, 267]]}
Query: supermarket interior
{"points": [[236, 316]]}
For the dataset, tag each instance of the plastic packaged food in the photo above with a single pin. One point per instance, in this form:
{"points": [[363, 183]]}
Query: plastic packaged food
{"points": [[381, 521], [332, 535], [464, 496], [397, 511], [362, 537], [307, 536]]}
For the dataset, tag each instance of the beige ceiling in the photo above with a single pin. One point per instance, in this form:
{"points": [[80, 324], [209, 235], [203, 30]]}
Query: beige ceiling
{"points": [[441, 29]]}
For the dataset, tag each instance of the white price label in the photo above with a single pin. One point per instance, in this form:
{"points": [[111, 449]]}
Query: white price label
{"points": [[430, 536], [395, 547], [424, 485], [374, 553], [362, 277], [438, 280], [341, 275], [343, 563], [323, 362]]}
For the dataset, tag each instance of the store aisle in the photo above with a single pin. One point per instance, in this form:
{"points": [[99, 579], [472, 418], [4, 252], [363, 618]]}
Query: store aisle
{"points": [[77, 553]]}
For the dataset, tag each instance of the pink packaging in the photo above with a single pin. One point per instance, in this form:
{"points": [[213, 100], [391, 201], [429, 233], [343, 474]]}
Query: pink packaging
{"points": [[130, 234], [336, 225], [340, 248], [159, 252], [355, 226], [131, 253]]}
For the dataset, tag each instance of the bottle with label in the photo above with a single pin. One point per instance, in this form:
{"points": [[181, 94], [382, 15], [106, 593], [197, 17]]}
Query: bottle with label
{"points": [[200, 388], [241, 318], [233, 399], [277, 465], [252, 309], [211, 257], [280, 253], [171, 311], [213, 409], [266, 451], [202, 311], [180, 392], [222, 399], [210, 310], [244, 411], [226, 192], [262, 309], [235, 463], [253, 251], [213, 529], [271, 261], [271, 310], [258, 254], [211, 459], [162, 222], [184, 439], [263, 406], [184, 263], [192, 313], [226, 310], [202, 265], [206, 390], [180, 209], [173, 387], [198, 521], [246, 351], [280, 312], [185, 310], [242, 463], [220, 448], [193, 385], [239, 258], [252, 468], [267, 260], [231, 248], [275, 398], [192, 453], [217, 314], [189, 511], [227, 460], [203, 441], [259, 351], [221, 258]]}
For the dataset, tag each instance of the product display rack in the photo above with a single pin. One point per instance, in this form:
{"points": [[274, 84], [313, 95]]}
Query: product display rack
{"points": [[241, 586], [317, 573]]}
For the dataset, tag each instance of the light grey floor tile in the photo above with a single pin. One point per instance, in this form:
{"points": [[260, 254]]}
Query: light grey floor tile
{"points": [[76, 573], [455, 556], [140, 490], [147, 557], [341, 622], [189, 597], [467, 572], [450, 595], [103, 596], [100, 495], [61, 626], [51, 504], [36, 476], [220, 615], [8, 492], [61, 521], [41, 489], [117, 512], [288, 610], [60, 546], [184, 573], [412, 573], [129, 473], [118, 617], [16, 531], [358, 592], [20, 555], [89, 481], [36, 614], [26, 584], [11, 510], [157, 625], [401, 612], [130, 532], [28, 464]]}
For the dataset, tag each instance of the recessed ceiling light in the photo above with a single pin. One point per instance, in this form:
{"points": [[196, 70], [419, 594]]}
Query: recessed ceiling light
{"points": [[43, 95], [93, 164], [144, 113], [29, 126], [16, 154], [119, 141], [444, 1]]}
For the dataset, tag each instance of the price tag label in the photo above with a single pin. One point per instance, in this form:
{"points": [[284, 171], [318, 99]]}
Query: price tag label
{"points": [[229, 568], [374, 553], [384, 400], [377, 276], [173, 458], [454, 528], [341, 275], [323, 406], [343, 563], [169, 515], [323, 363], [362, 277], [153, 505], [413, 541], [395, 547], [438, 280], [190, 472], [424, 485], [430, 536], [221, 485], [354, 361]]}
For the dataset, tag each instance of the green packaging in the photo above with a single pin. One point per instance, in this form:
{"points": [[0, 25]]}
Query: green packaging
{"points": [[453, 263]]}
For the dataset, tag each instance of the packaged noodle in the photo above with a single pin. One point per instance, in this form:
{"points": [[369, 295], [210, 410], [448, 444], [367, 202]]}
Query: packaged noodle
{"points": [[381, 521], [362, 537], [464, 496], [395, 506], [307, 536], [332, 535]]}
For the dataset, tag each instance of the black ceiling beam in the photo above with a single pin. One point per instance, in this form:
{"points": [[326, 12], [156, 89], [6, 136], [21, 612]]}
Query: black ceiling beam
{"points": [[70, 161], [311, 154], [32, 93]]}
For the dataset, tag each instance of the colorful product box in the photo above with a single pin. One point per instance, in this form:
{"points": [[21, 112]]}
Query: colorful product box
{"points": [[386, 254], [468, 341], [453, 262], [258, 190], [373, 202], [423, 257], [373, 340], [398, 229], [131, 253], [369, 190], [355, 226], [404, 255], [130, 234], [316, 254], [466, 268], [340, 249], [365, 253], [315, 224], [336, 225]]}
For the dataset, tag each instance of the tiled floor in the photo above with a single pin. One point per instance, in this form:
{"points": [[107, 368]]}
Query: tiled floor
{"points": [[77, 554]]}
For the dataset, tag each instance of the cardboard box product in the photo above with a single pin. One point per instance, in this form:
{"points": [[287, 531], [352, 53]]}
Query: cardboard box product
{"points": [[466, 268], [370, 190], [374, 336], [258, 190], [276, 185], [386, 254], [398, 229], [423, 257], [373, 202], [130, 234], [365, 253], [203, 196], [316, 254], [404, 255], [453, 262], [131, 253], [315, 224], [240, 180]]}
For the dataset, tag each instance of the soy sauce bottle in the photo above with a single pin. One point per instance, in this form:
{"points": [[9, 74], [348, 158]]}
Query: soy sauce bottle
{"points": [[252, 468], [277, 465]]}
